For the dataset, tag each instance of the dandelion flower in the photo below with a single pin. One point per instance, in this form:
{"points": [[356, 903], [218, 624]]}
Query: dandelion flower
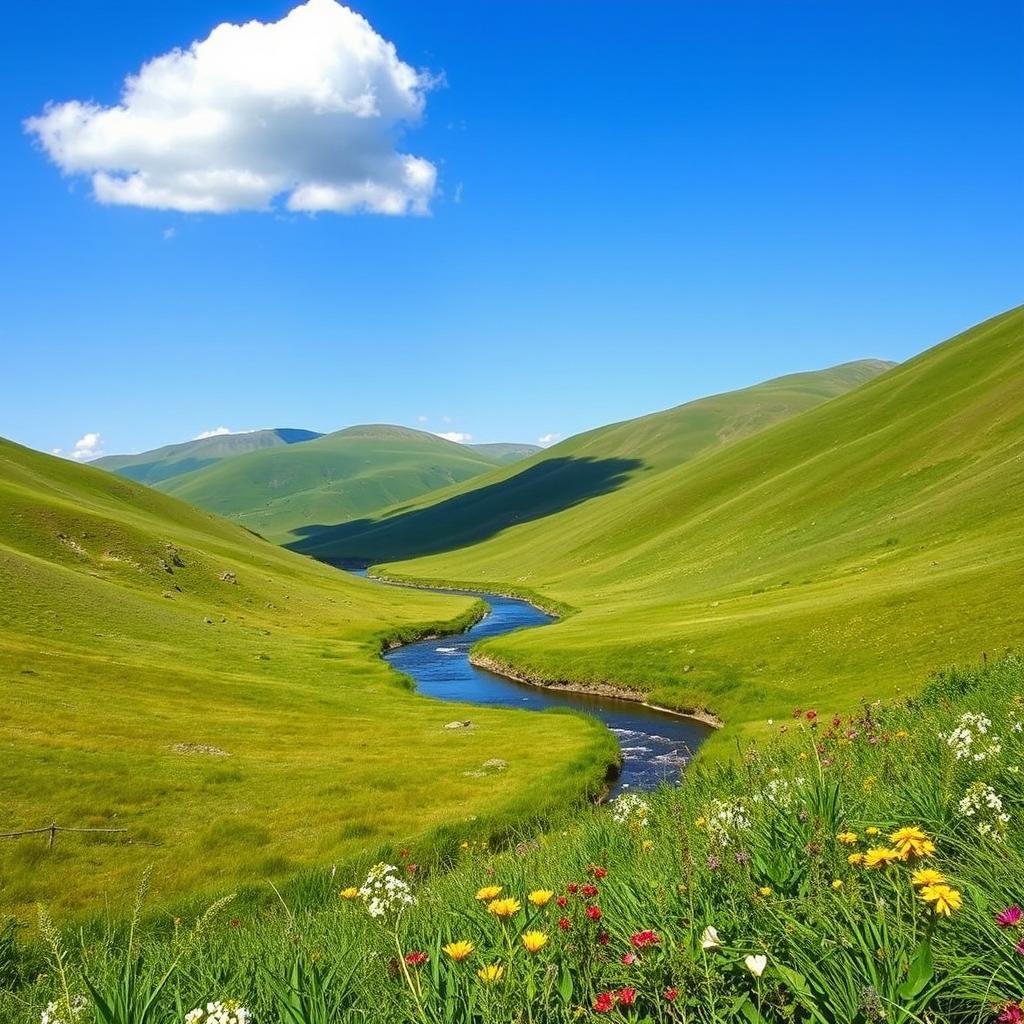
{"points": [[765, 890], [350, 893], [488, 893], [871, 830], [855, 859], [491, 973], [540, 897], [504, 907], [943, 899], [837, 884], [534, 941], [647, 845], [458, 951], [847, 838], [927, 876]]}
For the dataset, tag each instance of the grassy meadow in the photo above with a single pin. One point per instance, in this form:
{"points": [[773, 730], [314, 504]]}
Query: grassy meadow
{"points": [[220, 698], [841, 554], [849, 869]]}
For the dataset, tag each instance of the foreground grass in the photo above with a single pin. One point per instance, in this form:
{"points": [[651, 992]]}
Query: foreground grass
{"points": [[169, 673], [748, 894]]}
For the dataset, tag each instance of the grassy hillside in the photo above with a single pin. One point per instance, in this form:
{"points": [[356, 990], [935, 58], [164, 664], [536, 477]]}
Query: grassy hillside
{"points": [[337, 477], [838, 556], [167, 672], [598, 463], [174, 459], [505, 452]]}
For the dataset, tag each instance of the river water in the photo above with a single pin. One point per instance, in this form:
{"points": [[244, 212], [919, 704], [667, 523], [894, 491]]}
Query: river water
{"points": [[655, 745]]}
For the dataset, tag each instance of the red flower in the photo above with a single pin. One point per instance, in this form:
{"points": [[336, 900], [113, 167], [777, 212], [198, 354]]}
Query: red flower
{"points": [[594, 913], [1010, 917], [572, 887], [564, 923], [411, 868], [600, 872], [1012, 1013], [627, 996], [603, 938], [415, 958], [811, 715], [671, 994], [641, 940], [589, 891], [604, 1003], [562, 901], [629, 959]]}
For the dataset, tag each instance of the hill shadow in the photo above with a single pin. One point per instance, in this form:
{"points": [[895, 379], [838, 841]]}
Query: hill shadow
{"points": [[541, 490]]}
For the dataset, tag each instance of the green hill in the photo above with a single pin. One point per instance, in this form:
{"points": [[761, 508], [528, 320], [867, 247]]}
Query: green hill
{"points": [[835, 557], [504, 452], [172, 460], [608, 461], [337, 477], [168, 672]]}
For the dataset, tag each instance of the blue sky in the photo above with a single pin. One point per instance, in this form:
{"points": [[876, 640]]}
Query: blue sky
{"points": [[634, 205]]}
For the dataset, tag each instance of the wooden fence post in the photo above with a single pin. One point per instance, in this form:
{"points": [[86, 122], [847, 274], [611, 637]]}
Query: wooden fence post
{"points": [[53, 835]]}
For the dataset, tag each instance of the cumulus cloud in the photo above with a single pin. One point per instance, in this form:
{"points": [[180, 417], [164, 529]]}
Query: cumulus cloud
{"points": [[458, 438], [87, 447], [546, 440], [216, 432], [306, 109]]}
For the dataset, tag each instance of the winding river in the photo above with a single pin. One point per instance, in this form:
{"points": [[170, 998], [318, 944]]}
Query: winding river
{"points": [[655, 745]]}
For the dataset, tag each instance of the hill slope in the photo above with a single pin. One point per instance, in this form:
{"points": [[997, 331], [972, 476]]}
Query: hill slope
{"points": [[505, 452], [837, 556], [165, 671], [334, 478], [174, 459], [601, 467]]}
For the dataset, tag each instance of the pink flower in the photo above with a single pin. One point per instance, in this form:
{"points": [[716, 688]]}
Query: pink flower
{"points": [[1010, 917], [629, 959], [604, 1003], [1012, 1014], [627, 996], [1019, 948], [641, 940]]}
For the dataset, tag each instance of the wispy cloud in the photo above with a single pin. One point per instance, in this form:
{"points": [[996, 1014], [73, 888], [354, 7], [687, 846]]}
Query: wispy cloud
{"points": [[456, 436], [307, 108], [216, 432], [546, 440]]}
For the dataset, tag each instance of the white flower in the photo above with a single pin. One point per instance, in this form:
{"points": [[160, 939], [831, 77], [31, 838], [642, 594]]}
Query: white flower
{"points": [[53, 1011], [756, 964], [710, 939], [984, 806], [230, 1012], [384, 892], [725, 818], [970, 730], [630, 809]]}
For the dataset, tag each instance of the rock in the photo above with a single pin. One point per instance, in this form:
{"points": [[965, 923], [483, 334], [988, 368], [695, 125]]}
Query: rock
{"points": [[208, 620], [227, 576], [495, 764], [459, 725], [199, 748]]}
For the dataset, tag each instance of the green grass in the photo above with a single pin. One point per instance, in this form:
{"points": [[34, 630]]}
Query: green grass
{"points": [[843, 553], [119, 640], [750, 848], [337, 477]]}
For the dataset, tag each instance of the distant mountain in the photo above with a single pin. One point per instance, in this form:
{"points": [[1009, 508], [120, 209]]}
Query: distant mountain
{"points": [[172, 460], [336, 477], [506, 452]]}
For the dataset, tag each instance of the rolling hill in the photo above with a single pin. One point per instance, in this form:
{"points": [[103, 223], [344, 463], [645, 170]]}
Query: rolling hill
{"points": [[505, 452], [337, 477], [580, 469], [172, 460], [834, 557], [167, 672]]}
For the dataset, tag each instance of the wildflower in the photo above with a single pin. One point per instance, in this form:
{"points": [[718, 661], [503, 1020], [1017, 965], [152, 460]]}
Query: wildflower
{"points": [[384, 892], [75, 1008], [927, 876], [416, 958], [811, 715], [504, 907], [871, 830], [458, 951], [671, 994], [491, 973], [227, 1012], [710, 939], [604, 1003], [1009, 918], [1019, 948], [540, 897], [912, 842], [572, 888], [837, 884], [350, 893], [756, 964], [594, 913], [847, 838], [597, 872], [534, 941], [488, 893], [1012, 1013], [626, 996], [880, 857], [647, 845], [641, 940], [629, 959], [562, 901], [765, 890], [868, 785], [464, 845], [603, 938], [855, 859], [631, 810], [901, 734], [713, 863], [985, 806], [564, 923], [943, 899], [700, 822], [590, 891]]}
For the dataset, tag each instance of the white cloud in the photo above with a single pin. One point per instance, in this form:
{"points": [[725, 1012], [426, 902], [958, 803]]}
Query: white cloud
{"points": [[546, 440], [169, 234], [216, 432], [422, 419], [307, 108], [87, 448], [454, 435]]}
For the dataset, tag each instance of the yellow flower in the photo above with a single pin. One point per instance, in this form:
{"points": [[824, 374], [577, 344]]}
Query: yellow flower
{"points": [[458, 951], [880, 857], [847, 838], [464, 845], [855, 859], [765, 890], [488, 893], [837, 884], [540, 897], [504, 908], [943, 899], [647, 845], [869, 785], [901, 734], [701, 821], [491, 973], [534, 941], [871, 830], [912, 842], [803, 755], [927, 876], [350, 893]]}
